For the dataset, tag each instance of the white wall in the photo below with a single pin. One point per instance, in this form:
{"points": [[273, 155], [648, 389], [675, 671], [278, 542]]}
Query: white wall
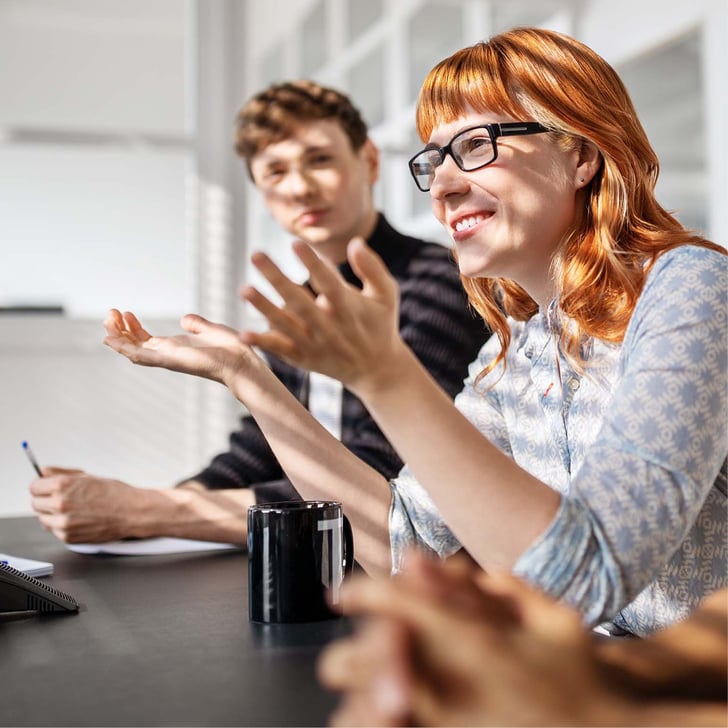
{"points": [[97, 155], [80, 405], [115, 190]]}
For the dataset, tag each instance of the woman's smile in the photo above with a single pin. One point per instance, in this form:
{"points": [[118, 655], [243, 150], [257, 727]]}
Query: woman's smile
{"points": [[465, 226]]}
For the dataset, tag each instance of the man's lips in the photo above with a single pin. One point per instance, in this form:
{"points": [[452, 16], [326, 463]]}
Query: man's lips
{"points": [[311, 217]]}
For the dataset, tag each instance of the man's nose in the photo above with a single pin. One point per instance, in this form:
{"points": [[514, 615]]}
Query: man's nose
{"points": [[298, 183]]}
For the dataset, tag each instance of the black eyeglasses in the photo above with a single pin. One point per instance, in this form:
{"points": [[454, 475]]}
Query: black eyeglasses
{"points": [[471, 149]]}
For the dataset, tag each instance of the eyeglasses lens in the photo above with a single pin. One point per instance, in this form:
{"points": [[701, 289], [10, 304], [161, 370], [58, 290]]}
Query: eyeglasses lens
{"points": [[423, 167], [472, 149]]}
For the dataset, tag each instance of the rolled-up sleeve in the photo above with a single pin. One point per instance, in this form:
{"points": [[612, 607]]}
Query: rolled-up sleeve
{"points": [[641, 493], [414, 519]]}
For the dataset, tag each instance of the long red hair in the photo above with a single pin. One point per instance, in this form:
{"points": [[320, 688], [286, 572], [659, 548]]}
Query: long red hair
{"points": [[540, 75]]}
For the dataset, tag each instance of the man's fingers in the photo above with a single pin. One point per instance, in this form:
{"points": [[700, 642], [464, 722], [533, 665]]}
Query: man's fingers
{"points": [[53, 470], [42, 488]]}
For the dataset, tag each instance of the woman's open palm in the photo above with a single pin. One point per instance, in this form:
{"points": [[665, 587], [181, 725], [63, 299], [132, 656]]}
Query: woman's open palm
{"points": [[208, 350]]}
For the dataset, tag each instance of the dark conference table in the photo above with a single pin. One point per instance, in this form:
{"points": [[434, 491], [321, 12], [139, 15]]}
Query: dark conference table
{"points": [[160, 640]]}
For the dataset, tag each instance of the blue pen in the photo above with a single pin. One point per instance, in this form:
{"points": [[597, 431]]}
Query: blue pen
{"points": [[32, 459]]}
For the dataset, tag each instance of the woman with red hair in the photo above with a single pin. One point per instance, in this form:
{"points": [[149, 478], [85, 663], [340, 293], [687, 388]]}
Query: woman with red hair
{"points": [[584, 453]]}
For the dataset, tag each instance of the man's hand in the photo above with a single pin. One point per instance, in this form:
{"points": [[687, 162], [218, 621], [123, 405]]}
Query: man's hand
{"points": [[81, 508]]}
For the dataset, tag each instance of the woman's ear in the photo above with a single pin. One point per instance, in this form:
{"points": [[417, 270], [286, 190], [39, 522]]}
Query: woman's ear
{"points": [[588, 164]]}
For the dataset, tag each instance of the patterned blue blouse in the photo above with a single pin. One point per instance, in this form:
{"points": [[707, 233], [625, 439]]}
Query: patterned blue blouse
{"points": [[635, 446]]}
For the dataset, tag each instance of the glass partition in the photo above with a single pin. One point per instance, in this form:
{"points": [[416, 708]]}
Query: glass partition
{"points": [[435, 31], [365, 85], [361, 15], [666, 87], [314, 40]]}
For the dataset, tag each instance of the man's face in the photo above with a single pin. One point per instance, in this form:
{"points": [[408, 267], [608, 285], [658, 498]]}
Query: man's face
{"points": [[317, 187]]}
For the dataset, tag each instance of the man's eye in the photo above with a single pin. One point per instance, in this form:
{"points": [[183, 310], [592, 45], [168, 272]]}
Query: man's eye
{"points": [[320, 159]]}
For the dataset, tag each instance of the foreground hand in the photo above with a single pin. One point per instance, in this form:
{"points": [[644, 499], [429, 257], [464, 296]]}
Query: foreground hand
{"points": [[209, 350], [347, 333], [80, 508], [444, 647]]}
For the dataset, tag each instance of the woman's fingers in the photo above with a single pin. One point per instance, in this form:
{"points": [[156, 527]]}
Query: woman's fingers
{"points": [[278, 319], [124, 326], [114, 322], [371, 271], [127, 336], [198, 326], [324, 277], [287, 334], [195, 324], [297, 298], [391, 598], [133, 326]]}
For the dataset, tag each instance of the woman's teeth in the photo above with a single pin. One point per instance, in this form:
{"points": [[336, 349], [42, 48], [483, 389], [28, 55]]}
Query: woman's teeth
{"points": [[468, 222]]}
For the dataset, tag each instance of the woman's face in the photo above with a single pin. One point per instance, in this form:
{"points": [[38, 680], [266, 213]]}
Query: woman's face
{"points": [[508, 219]]}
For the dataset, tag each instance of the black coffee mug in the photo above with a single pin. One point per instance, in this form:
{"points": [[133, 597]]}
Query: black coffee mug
{"points": [[298, 552]]}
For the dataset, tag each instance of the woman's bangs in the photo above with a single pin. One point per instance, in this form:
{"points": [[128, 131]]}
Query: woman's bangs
{"points": [[458, 85]]}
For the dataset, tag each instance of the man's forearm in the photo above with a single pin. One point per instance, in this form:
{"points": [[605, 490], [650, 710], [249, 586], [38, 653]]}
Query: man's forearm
{"points": [[192, 511]]}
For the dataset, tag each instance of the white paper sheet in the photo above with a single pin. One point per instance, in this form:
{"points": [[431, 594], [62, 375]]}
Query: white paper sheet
{"points": [[149, 546]]}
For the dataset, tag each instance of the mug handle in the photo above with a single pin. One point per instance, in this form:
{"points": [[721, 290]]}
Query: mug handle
{"points": [[348, 548]]}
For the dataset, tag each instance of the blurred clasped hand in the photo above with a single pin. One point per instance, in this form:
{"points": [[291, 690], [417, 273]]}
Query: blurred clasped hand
{"points": [[442, 643]]}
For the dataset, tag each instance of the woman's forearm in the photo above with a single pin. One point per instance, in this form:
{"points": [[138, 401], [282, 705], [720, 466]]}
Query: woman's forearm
{"points": [[461, 470], [318, 465]]}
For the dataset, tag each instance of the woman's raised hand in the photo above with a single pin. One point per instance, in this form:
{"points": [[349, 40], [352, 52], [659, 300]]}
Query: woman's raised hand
{"points": [[339, 330], [208, 350]]}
